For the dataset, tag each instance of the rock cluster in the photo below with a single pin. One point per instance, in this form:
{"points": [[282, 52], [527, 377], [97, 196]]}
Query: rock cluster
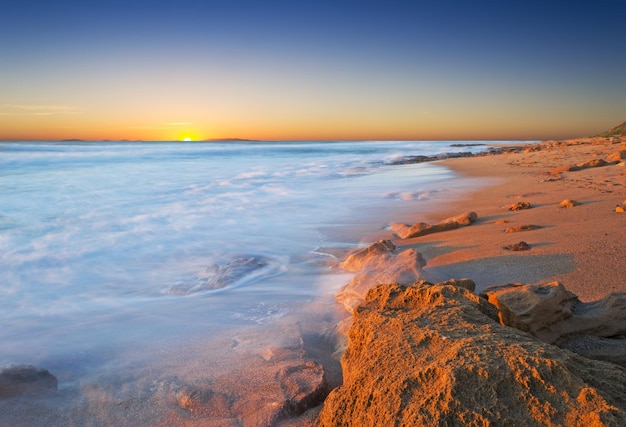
{"points": [[437, 355]]}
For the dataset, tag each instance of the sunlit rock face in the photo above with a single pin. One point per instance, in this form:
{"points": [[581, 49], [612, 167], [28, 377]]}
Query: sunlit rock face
{"points": [[437, 355], [555, 315]]}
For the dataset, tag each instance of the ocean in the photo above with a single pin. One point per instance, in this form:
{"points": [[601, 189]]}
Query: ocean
{"points": [[112, 250]]}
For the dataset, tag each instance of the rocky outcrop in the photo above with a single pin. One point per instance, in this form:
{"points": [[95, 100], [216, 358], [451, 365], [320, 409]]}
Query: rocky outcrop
{"points": [[26, 380], [382, 267], [437, 355], [553, 314], [406, 231]]}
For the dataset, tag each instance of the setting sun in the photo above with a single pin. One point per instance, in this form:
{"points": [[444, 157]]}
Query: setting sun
{"points": [[187, 139]]}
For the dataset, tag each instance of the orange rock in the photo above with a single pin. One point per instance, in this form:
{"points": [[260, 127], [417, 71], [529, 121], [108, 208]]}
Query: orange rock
{"points": [[519, 206], [434, 355], [616, 157], [553, 314], [568, 203], [356, 261], [406, 231], [593, 163]]}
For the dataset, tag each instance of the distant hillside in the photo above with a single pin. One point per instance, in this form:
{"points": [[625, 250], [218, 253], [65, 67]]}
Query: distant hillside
{"points": [[619, 130]]}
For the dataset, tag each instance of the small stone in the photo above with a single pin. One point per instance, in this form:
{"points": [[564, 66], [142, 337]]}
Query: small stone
{"points": [[619, 209], [519, 206], [521, 246], [568, 203], [518, 228]]}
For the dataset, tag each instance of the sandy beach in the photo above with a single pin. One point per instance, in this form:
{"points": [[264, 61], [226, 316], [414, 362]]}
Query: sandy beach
{"points": [[541, 241], [580, 246]]}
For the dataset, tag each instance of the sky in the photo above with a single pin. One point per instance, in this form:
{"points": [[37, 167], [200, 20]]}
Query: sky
{"points": [[311, 70]]}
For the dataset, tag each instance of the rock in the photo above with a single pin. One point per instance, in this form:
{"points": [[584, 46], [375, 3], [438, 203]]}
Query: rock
{"points": [[404, 268], [616, 157], [518, 228], [593, 347], [594, 163], [405, 231], [26, 380], [356, 261], [421, 229], [203, 401], [428, 355], [555, 315], [521, 246], [465, 218], [237, 271], [560, 169], [274, 381], [468, 284], [519, 206], [620, 209], [568, 203]]}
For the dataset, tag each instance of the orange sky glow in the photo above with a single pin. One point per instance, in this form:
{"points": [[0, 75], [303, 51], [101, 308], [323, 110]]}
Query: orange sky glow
{"points": [[311, 71]]}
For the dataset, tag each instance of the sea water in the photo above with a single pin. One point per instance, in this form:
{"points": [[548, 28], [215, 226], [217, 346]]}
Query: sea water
{"points": [[110, 245]]}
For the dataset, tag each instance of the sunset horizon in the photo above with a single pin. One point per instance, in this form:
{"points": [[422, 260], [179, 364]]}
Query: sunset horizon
{"points": [[310, 71]]}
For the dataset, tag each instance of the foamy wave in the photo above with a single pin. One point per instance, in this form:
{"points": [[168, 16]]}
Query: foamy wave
{"points": [[410, 195]]}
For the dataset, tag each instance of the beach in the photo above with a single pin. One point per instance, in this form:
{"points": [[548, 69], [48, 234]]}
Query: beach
{"points": [[580, 246], [283, 376], [542, 243]]}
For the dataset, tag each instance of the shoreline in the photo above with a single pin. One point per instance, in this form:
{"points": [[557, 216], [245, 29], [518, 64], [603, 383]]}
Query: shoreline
{"points": [[566, 201], [578, 246]]}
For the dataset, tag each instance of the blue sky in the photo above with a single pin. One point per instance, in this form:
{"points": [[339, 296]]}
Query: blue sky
{"points": [[311, 70]]}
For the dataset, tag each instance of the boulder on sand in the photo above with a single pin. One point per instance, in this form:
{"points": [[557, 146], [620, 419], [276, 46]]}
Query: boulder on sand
{"points": [[406, 231], [436, 355], [555, 315]]}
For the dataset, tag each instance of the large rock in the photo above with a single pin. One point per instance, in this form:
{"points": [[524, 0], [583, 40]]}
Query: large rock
{"points": [[431, 355], [406, 231], [26, 380], [404, 268], [555, 315]]}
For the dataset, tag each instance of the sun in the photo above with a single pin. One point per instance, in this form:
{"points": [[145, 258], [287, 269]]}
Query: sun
{"points": [[186, 139]]}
